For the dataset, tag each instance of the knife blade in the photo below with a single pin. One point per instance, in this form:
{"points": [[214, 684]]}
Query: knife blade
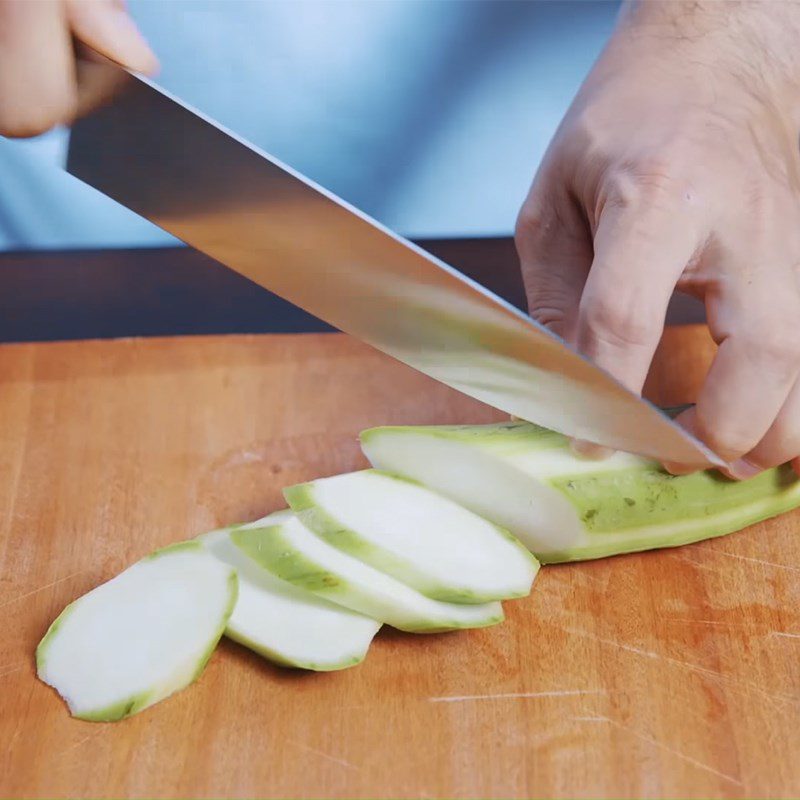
{"points": [[202, 183]]}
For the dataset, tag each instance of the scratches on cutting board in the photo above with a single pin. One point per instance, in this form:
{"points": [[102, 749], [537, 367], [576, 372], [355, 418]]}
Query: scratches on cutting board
{"points": [[76, 745], [10, 669], [327, 756], [784, 635], [515, 695], [704, 565], [41, 588], [629, 648], [742, 686], [661, 746], [761, 561], [717, 622], [722, 623]]}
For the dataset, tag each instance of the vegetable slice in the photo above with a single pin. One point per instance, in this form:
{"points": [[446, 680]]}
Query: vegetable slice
{"points": [[285, 624], [141, 636], [293, 553], [415, 535], [567, 508]]}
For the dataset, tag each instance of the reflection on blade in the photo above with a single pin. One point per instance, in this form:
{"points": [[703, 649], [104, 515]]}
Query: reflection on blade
{"points": [[201, 183]]}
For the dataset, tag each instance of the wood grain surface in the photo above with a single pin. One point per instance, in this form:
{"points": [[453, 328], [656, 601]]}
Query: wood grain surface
{"points": [[672, 673]]}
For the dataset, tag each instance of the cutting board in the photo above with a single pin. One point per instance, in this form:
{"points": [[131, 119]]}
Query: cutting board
{"points": [[673, 673]]}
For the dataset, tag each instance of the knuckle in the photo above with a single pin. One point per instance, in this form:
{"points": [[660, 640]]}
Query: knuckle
{"points": [[548, 303], [528, 222], [541, 224], [655, 169], [550, 315], [729, 440], [785, 432], [532, 221], [650, 179], [782, 349], [766, 460], [621, 190], [774, 345], [620, 321], [781, 445], [587, 132]]}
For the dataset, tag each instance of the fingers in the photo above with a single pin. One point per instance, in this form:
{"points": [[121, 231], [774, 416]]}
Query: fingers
{"points": [[37, 85], [615, 314], [555, 250], [686, 419], [588, 450], [105, 26], [555, 253], [748, 394], [640, 251], [104, 34], [38, 88], [781, 443]]}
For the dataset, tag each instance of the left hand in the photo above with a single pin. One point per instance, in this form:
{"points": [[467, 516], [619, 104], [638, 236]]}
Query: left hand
{"points": [[678, 165]]}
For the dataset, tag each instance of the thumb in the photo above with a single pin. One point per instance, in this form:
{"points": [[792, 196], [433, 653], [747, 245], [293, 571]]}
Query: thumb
{"points": [[106, 26]]}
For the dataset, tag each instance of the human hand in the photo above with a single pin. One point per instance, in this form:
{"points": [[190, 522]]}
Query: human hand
{"points": [[43, 80], [678, 165]]}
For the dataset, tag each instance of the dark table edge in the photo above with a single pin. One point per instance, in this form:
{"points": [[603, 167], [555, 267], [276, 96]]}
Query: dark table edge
{"points": [[53, 295]]}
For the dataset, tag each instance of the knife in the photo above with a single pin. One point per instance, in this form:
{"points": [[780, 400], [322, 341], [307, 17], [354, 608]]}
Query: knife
{"points": [[205, 185]]}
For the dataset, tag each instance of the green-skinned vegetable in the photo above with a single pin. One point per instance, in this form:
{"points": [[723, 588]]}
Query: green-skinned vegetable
{"points": [[415, 535], [141, 636], [294, 554], [286, 624], [567, 508]]}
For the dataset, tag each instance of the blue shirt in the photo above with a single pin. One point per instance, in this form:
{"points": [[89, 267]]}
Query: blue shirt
{"points": [[430, 115]]}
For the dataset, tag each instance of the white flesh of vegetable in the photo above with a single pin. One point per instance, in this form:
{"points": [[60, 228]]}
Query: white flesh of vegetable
{"points": [[141, 636], [293, 553], [284, 623], [417, 536], [566, 508]]}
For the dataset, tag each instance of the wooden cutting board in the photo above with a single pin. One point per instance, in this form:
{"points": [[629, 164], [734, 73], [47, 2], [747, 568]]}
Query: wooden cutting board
{"points": [[673, 673]]}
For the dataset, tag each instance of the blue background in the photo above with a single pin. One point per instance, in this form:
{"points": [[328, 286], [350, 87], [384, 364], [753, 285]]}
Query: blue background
{"points": [[430, 115]]}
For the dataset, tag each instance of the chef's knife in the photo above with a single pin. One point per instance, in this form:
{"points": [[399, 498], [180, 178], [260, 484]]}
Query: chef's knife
{"points": [[179, 169]]}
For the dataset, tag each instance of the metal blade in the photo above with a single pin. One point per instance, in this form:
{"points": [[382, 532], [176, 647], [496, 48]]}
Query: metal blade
{"points": [[179, 169]]}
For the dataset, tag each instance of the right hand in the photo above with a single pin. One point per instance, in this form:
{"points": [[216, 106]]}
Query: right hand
{"points": [[44, 80]]}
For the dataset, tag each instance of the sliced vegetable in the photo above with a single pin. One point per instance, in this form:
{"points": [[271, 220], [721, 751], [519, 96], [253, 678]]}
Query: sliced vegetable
{"points": [[415, 535], [284, 623], [141, 636], [293, 553], [567, 508]]}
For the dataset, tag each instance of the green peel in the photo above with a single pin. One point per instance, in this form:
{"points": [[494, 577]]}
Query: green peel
{"points": [[567, 508], [285, 623], [294, 554], [405, 530]]}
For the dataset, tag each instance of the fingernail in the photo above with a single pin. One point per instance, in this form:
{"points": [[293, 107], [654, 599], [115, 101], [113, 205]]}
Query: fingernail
{"points": [[742, 469], [679, 469], [589, 450]]}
